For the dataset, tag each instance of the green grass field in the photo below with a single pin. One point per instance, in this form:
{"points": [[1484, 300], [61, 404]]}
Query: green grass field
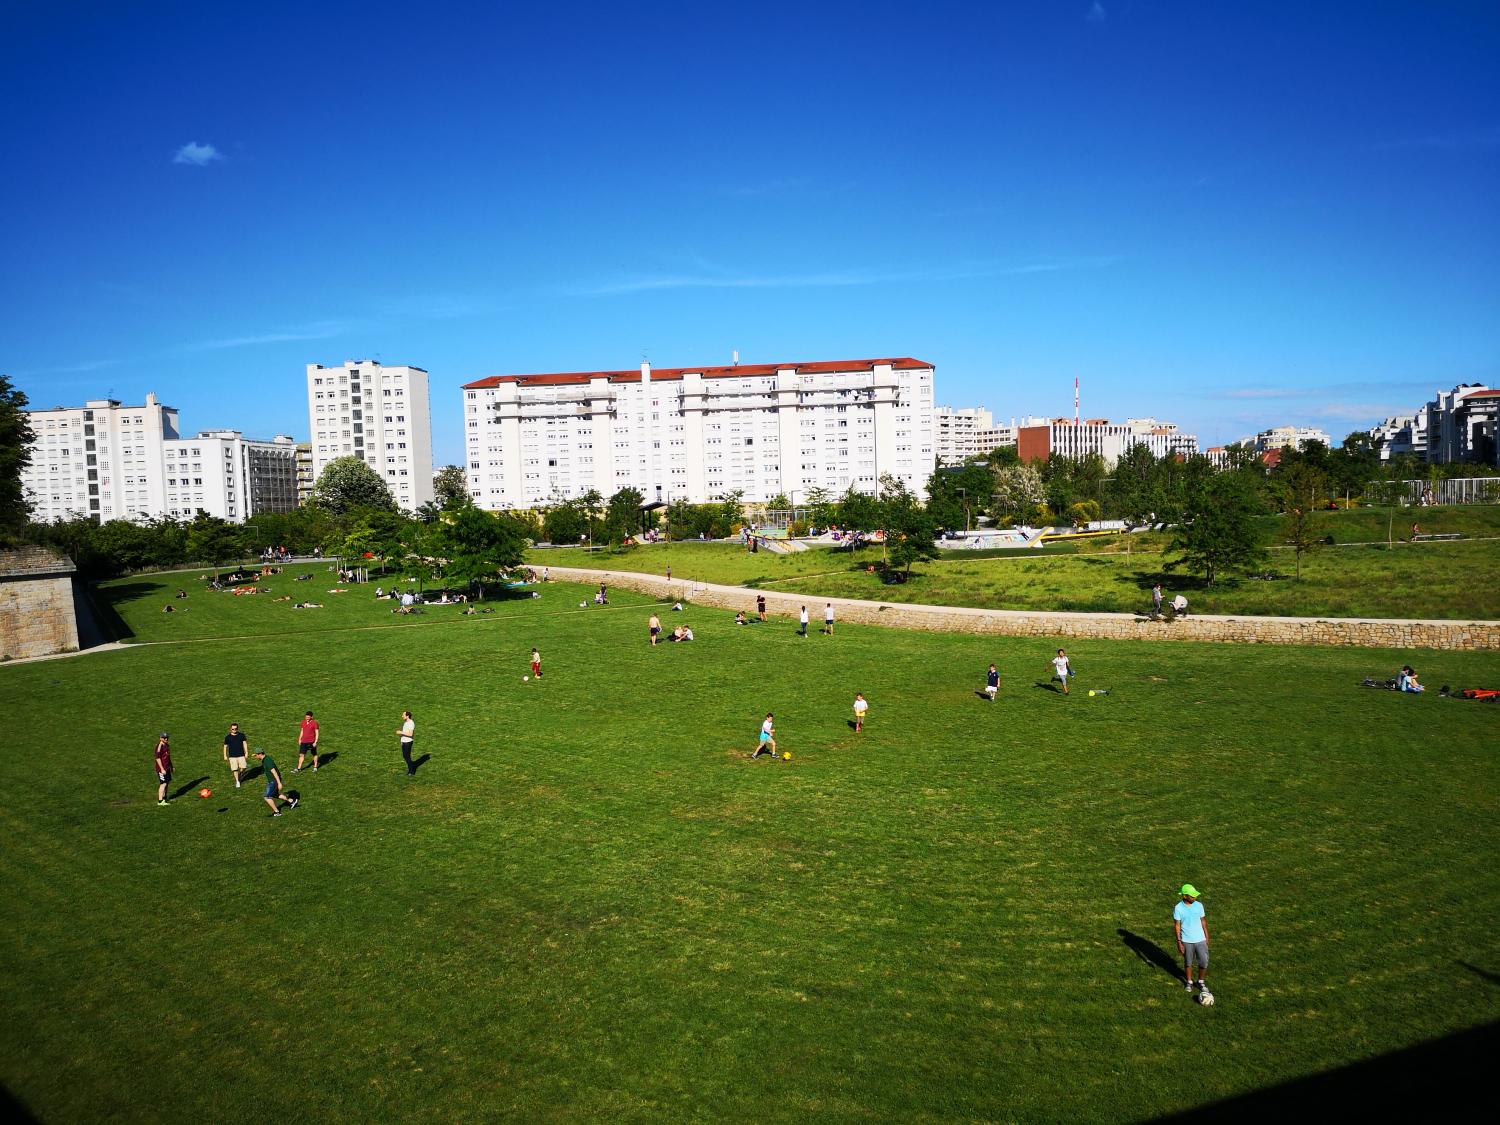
{"points": [[589, 904], [1357, 577]]}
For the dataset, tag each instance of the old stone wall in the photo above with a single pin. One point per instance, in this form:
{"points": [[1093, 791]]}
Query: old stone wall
{"points": [[1356, 632], [36, 616]]}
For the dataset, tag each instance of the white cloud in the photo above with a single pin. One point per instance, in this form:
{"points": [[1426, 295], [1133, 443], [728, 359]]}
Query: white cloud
{"points": [[1096, 13], [322, 330], [197, 155]]}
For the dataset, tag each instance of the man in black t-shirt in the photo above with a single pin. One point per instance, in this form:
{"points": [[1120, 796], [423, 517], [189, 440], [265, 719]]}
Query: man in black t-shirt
{"points": [[234, 751]]}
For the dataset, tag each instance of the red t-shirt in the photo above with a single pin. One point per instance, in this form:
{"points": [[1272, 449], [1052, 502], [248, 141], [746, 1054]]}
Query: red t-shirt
{"points": [[163, 758], [309, 730]]}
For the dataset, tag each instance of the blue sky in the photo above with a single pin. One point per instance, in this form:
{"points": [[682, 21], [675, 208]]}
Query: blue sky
{"points": [[1229, 215]]}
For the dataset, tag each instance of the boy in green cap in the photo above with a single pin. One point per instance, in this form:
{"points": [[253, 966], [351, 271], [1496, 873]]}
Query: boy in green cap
{"points": [[1192, 936]]}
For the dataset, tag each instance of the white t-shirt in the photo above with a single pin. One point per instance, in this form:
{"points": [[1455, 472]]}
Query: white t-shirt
{"points": [[1061, 664], [766, 727], [828, 614], [861, 706], [803, 616], [408, 730]]}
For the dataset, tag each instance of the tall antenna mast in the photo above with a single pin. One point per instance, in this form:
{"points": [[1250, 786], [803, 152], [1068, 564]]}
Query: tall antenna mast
{"points": [[1075, 400]]}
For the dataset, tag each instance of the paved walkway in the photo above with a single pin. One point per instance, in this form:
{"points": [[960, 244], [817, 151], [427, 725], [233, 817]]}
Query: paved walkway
{"points": [[1342, 631]]}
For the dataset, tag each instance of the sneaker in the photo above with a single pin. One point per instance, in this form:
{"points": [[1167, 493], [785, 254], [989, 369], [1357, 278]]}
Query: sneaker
{"points": [[296, 769], [296, 801], [276, 813], [236, 784], [161, 802], [315, 769], [1188, 987]]}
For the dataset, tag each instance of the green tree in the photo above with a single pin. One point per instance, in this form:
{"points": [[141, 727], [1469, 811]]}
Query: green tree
{"points": [[907, 525], [1218, 534], [820, 506], [472, 546], [1017, 491], [566, 523], [859, 511], [214, 541], [450, 487], [348, 484], [1300, 488], [15, 454], [622, 518]]}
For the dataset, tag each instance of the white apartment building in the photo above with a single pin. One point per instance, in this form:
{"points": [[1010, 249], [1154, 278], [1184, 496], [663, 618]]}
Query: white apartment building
{"points": [[109, 461], [228, 475], [698, 434], [1461, 425], [1063, 437], [102, 459], [1402, 434], [957, 432], [1280, 436], [378, 414]]}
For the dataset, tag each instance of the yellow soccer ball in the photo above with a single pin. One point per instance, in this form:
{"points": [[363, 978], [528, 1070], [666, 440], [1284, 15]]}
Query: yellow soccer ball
{"points": [[786, 755]]}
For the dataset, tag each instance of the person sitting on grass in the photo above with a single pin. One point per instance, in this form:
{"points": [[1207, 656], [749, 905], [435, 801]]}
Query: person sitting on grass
{"points": [[181, 593], [168, 609], [739, 618], [1407, 681]]}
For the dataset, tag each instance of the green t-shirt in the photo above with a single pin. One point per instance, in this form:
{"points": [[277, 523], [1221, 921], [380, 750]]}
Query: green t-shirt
{"points": [[267, 765]]}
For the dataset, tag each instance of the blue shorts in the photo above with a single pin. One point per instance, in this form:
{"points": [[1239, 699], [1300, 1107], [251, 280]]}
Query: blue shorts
{"points": [[764, 737], [272, 789]]}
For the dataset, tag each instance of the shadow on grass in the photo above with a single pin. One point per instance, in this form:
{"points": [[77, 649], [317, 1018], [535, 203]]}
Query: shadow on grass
{"points": [[418, 763], [1483, 974], [1047, 687], [325, 760], [1400, 1085], [1151, 953], [12, 1109], [186, 788]]}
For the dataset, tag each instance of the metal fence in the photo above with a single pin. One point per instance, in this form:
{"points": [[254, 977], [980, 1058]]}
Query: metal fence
{"points": [[1419, 493]]}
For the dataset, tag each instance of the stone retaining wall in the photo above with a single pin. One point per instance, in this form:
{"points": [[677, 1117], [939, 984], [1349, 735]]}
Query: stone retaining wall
{"points": [[1357, 632], [36, 616]]}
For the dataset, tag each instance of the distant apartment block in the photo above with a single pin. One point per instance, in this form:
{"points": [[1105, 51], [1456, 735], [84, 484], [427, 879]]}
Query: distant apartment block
{"points": [[1461, 425], [101, 460], [1063, 437], [1403, 434], [969, 432], [1456, 425], [105, 460], [1279, 437], [306, 477], [698, 434], [228, 475], [378, 414]]}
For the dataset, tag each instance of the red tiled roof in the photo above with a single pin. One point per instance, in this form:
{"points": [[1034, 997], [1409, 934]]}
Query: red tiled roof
{"points": [[905, 363], [1482, 394]]}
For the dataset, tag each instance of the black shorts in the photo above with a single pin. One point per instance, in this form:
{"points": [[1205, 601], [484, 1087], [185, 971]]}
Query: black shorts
{"points": [[307, 748], [164, 776]]}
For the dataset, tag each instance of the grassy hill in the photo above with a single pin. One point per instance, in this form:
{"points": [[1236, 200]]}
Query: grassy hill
{"points": [[1357, 576], [589, 903]]}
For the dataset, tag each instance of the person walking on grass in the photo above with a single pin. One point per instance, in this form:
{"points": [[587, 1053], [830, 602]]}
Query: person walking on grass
{"points": [[1156, 600], [163, 767], [307, 742], [273, 784], [654, 626], [669, 572], [861, 709], [767, 737], [1191, 929], [828, 620], [536, 663], [802, 620], [992, 683], [408, 734], [1063, 669], [234, 752]]}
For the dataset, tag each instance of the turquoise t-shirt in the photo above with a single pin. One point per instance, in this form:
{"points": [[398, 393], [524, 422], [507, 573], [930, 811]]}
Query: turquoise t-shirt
{"points": [[1190, 914]]}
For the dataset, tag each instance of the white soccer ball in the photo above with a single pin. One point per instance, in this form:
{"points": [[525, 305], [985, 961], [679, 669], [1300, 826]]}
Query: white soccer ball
{"points": [[583, 605], [1206, 998], [525, 679]]}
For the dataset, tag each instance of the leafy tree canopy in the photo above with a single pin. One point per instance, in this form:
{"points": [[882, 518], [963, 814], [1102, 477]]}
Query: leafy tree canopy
{"points": [[347, 484]]}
